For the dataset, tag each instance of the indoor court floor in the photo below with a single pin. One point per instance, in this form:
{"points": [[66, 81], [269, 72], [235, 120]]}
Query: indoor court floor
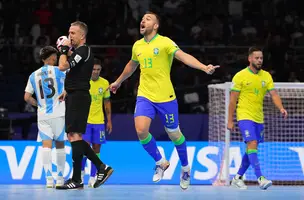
{"points": [[151, 192]]}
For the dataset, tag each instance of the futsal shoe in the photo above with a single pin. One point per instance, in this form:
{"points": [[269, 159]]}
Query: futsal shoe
{"points": [[264, 183], [59, 181], [49, 182], [91, 182], [160, 170], [102, 175], [70, 185], [238, 183], [185, 179]]}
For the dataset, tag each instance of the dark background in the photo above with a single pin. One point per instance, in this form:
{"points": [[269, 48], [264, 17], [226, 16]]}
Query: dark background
{"points": [[215, 32]]}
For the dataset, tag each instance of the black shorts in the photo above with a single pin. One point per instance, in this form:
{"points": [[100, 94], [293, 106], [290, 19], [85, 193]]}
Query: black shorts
{"points": [[77, 108]]}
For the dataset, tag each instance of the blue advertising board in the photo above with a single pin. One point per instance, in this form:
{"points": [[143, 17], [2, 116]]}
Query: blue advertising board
{"points": [[21, 162]]}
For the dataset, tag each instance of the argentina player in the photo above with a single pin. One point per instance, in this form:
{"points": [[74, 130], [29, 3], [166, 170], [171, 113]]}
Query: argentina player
{"points": [[48, 83]]}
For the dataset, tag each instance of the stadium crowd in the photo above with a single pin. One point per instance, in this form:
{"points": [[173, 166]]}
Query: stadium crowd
{"points": [[217, 32]]}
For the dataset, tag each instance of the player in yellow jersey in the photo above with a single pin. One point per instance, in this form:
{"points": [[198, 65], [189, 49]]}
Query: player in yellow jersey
{"points": [[155, 53], [249, 86], [95, 131]]}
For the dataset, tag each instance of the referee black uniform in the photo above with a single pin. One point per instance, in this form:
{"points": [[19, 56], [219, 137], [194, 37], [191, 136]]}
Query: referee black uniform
{"points": [[77, 86], [78, 102]]}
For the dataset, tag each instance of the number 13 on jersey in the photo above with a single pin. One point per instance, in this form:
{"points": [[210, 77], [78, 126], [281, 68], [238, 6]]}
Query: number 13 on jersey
{"points": [[148, 63], [50, 85]]}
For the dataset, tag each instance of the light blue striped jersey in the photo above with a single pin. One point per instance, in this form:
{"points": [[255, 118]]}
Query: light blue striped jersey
{"points": [[47, 83]]}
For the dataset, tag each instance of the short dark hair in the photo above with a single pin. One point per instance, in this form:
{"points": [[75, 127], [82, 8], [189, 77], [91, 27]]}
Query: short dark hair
{"points": [[46, 52], [82, 26], [156, 15], [253, 49], [97, 61]]}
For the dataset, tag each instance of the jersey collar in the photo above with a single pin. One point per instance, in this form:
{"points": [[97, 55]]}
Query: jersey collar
{"points": [[155, 36], [252, 71], [97, 79]]}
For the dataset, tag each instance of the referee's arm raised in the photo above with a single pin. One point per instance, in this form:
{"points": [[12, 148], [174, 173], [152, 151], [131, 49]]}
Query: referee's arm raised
{"points": [[76, 58]]}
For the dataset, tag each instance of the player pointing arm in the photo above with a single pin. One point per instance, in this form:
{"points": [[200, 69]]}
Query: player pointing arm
{"points": [[154, 54], [180, 55]]}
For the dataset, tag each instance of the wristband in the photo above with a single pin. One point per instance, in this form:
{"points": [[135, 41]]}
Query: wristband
{"points": [[64, 50]]}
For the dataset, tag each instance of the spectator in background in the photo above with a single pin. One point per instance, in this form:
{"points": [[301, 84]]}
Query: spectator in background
{"points": [[35, 31], [170, 6], [44, 14], [41, 42]]}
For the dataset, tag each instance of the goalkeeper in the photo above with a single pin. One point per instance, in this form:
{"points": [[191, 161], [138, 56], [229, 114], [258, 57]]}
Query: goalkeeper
{"points": [[249, 86]]}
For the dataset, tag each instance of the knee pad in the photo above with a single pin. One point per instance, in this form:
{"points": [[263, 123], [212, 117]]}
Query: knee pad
{"points": [[172, 130]]}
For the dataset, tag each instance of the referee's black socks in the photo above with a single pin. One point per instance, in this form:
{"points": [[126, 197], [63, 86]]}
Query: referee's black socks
{"points": [[91, 155], [77, 155]]}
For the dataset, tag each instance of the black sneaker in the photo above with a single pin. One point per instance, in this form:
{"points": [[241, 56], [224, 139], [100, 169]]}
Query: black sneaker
{"points": [[102, 175], [70, 185]]}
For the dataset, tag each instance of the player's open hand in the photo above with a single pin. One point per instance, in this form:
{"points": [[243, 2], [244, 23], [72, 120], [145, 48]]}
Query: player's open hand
{"points": [[230, 126], [109, 127], [114, 87], [62, 96], [210, 69], [284, 113]]}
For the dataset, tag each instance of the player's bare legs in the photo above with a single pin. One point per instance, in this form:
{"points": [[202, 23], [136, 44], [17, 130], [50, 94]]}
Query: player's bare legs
{"points": [[142, 126], [180, 144]]}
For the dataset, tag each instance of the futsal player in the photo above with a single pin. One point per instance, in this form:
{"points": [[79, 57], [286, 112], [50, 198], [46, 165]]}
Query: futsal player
{"points": [[95, 131], [155, 53], [249, 87], [77, 85], [48, 83]]}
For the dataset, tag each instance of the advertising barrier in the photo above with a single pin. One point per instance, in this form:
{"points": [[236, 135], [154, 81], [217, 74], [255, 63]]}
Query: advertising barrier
{"points": [[21, 162]]}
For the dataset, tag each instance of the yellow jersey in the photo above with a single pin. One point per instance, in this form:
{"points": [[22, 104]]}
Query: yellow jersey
{"points": [[155, 59], [252, 88], [99, 92]]}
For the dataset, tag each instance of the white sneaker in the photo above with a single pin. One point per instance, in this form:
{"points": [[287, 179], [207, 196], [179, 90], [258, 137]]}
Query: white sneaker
{"points": [[185, 179], [238, 183], [49, 182], [264, 183], [91, 182], [82, 176], [159, 171], [59, 181]]}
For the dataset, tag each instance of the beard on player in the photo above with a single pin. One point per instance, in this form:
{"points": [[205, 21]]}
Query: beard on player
{"points": [[146, 29], [257, 65]]}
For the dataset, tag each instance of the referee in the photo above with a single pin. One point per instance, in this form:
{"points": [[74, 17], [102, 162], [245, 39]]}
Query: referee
{"points": [[77, 86]]}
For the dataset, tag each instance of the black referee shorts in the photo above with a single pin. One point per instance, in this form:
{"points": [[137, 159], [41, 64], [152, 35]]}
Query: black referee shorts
{"points": [[77, 108]]}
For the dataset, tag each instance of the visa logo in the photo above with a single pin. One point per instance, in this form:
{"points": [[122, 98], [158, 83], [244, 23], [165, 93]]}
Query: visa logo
{"points": [[18, 166]]}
